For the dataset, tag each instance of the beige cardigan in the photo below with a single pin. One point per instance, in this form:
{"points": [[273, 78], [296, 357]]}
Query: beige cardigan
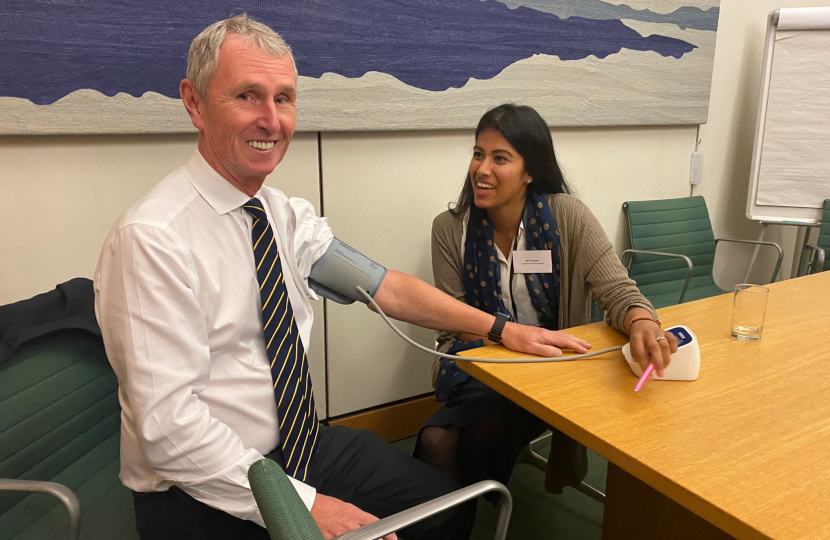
{"points": [[589, 267]]}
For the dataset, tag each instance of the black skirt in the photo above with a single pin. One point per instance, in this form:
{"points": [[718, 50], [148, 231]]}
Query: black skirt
{"points": [[493, 457], [473, 401]]}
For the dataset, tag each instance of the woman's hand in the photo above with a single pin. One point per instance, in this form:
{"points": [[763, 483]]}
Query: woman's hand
{"points": [[541, 342], [650, 344]]}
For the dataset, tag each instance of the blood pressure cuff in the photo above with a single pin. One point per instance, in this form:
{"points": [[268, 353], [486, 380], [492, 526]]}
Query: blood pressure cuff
{"points": [[341, 270]]}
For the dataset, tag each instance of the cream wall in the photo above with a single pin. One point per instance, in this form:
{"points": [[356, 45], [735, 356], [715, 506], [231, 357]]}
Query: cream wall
{"points": [[60, 195], [727, 138], [383, 206], [609, 166]]}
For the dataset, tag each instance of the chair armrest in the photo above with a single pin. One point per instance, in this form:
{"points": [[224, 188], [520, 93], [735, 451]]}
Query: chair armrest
{"points": [[663, 254], [819, 262], [415, 514], [758, 243], [61, 492]]}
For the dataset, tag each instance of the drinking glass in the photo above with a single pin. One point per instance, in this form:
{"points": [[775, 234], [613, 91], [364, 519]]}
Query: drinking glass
{"points": [[749, 306]]}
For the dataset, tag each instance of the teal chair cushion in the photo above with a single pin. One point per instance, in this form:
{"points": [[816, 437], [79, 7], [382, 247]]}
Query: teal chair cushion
{"points": [[824, 235], [679, 226], [60, 422], [661, 300]]}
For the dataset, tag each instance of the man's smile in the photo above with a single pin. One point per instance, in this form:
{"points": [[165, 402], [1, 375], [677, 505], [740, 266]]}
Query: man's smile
{"points": [[262, 145]]}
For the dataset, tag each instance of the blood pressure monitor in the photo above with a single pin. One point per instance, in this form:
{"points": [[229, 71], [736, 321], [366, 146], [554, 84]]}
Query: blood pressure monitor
{"points": [[685, 363]]}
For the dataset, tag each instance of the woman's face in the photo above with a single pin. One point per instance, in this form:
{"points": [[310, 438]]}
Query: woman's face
{"points": [[497, 172]]}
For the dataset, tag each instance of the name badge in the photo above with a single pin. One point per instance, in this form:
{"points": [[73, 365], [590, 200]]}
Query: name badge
{"points": [[532, 262]]}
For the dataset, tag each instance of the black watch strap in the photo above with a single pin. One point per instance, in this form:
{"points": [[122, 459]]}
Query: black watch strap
{"points": [[498, 327]]}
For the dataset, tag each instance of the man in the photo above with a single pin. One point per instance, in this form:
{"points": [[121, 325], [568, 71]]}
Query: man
{"points": [[186, 283]]}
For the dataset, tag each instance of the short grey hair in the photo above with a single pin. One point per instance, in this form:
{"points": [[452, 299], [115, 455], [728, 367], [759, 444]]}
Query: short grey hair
{"points": [[203, 55]]}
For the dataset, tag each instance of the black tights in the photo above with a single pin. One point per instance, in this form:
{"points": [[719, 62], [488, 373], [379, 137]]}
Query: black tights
{"points": [[480, 450]]}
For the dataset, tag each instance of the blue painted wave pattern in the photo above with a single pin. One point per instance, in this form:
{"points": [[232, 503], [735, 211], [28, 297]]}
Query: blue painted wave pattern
{"points": [[50, 49], [684, 16]]}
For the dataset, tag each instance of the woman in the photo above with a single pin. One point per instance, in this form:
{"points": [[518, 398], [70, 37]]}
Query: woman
{"points": [[514, 200]]}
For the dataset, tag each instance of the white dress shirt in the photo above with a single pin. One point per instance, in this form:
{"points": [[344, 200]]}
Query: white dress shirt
{"points": [[177, 299], [517, 293]]}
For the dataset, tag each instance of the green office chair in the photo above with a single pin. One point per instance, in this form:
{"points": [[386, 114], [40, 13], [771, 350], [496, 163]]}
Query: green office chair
{"points": [[673, 250], [813, 256], [60, 425], [287, 518]]}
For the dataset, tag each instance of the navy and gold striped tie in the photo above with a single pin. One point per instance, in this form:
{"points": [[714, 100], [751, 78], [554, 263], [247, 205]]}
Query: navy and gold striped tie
{"points": [[289, 368]]}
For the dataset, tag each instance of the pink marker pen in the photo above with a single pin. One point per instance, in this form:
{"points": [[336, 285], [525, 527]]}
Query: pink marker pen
{"points": [[644, 377]]}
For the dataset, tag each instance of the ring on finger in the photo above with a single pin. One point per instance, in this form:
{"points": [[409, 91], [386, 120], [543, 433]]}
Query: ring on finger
{"points": [[661, 338]]}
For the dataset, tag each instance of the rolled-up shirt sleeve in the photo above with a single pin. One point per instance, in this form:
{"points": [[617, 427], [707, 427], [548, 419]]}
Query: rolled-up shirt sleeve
{"points": [[312, 235], [156, 339]]}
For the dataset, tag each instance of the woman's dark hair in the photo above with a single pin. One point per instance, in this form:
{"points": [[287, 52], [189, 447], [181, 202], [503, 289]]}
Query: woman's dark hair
{"points": [[528, 133]]}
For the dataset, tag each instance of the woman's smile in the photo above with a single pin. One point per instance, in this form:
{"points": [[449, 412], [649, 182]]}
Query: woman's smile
{"points": [[483, 188]]}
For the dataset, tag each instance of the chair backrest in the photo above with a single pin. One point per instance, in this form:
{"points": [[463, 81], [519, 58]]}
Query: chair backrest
{"points": [[286, 516], [59, 421], [824, 235], [597, 313], [678, 226]]}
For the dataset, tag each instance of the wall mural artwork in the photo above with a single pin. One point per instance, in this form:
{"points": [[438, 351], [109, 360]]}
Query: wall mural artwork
{"points": [[108, 66]]}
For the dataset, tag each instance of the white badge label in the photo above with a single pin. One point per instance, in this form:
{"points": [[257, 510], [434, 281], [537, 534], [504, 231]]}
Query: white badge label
{"points": [[532, 262]]}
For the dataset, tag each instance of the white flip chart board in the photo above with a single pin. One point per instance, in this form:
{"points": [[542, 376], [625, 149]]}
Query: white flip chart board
{"points": [[790, 175]]}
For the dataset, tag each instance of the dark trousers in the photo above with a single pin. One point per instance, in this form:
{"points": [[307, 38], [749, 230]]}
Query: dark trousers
{"points": [[352, 465]]}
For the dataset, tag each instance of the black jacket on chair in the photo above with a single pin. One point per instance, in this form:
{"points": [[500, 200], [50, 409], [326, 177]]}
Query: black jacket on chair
{"points": [[70, 306]]}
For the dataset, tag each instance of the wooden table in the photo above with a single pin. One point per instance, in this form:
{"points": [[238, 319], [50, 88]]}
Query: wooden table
{"points": [[746, 447]]}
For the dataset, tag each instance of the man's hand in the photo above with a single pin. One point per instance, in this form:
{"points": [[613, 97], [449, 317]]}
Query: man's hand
{"points": [[541, 342], [647, 348], [335, 517]]}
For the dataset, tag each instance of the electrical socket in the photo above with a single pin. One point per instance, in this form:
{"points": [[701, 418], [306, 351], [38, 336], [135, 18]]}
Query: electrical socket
{"points": [[696, 168]]}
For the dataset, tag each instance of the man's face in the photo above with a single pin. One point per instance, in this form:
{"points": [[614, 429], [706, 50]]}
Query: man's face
{"points": [[249, 114]]}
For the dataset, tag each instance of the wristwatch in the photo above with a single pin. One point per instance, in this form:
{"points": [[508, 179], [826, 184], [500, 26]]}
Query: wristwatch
{"points": [[498, 327]]}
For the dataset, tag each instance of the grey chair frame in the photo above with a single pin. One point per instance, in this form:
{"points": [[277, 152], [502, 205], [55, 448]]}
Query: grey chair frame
{"points": [[814, 260], [690, 265], [59, 491], [403, 519], [758, 243], [529, 456], [375, 530]]}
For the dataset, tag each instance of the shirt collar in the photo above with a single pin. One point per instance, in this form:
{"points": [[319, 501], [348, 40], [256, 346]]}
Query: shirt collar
{"points": [[518, 242], [212, 186]]}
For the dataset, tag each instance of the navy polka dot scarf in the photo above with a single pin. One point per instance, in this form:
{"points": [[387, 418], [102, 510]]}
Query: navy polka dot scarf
{"points": [[482, 273]]}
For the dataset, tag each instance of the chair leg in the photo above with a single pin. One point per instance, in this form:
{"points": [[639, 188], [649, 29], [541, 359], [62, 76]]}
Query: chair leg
{"points": [[529, 456], [805, 264], [591, 491]]}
